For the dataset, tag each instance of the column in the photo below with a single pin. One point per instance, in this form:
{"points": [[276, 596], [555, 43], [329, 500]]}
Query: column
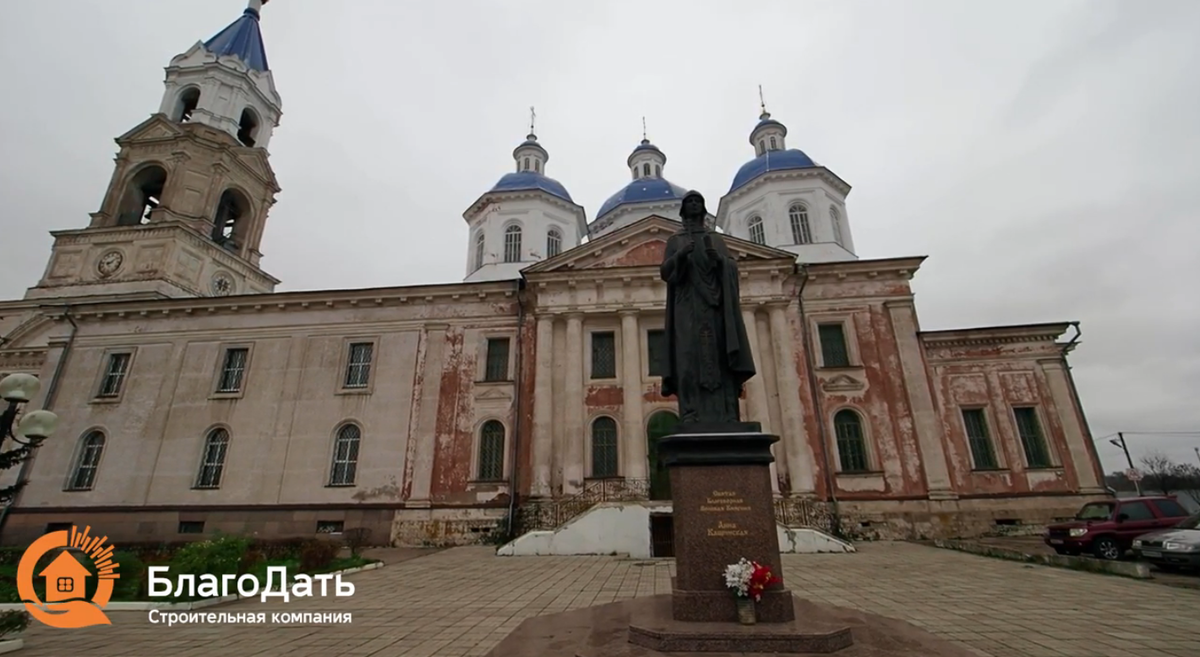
{"points": [[756, 393], [543, 407], [633, 440], [916, 380], [798, 449], [1073, 432], [573, 397]]}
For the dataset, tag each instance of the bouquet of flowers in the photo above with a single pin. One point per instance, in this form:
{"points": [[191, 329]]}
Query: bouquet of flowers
{"points": [[748, 578]]}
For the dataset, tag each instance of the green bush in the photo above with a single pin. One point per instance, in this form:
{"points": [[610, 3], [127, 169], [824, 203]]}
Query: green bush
{"points": [[221, 555], [13, 622], [132, 582], [317, 555]]}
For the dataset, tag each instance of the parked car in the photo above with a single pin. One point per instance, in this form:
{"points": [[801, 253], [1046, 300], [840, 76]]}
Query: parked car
{"points": [[1107, 529], [1171, 549]]}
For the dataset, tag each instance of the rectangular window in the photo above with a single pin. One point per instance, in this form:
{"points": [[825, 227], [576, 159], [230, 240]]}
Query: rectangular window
{"points": [[330, 526], [358, 365], [656, 352], [979, 440], [604, 355], [191, 527], [233, 369], [1037, 455], [114, 375], [833, 345], [496, 368]]}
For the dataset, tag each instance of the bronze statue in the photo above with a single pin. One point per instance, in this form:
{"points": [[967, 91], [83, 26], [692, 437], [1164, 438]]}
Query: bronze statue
{"points": [[708, 354]]}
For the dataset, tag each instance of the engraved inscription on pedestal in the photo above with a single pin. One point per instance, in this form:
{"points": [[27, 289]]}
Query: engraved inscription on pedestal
{"points": [[733, 507]]}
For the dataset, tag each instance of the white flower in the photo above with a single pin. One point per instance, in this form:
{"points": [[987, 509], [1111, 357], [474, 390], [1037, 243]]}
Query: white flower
{"points": [[737, 577]]}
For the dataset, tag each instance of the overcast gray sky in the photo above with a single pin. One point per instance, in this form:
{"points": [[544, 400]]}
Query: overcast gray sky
{"points": [[1043, 154]]}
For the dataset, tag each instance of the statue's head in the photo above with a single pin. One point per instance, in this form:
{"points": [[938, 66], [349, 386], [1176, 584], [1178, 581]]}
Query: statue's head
{"points": [[692, 211]]}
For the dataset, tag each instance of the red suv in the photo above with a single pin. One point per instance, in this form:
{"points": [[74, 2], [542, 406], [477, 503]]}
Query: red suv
{"points": [[1107, 529]]}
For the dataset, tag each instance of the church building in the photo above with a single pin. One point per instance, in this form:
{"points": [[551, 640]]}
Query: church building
{"points": [[195, 399]]}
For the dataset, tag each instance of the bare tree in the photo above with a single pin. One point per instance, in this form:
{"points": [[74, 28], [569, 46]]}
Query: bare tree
{"points": [[1158, 472]]}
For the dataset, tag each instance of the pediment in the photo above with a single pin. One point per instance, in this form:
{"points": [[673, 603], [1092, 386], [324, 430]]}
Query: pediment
{"points": [[842, 383], [255, 159], [641, 244], [155, 128], [490, 393]]}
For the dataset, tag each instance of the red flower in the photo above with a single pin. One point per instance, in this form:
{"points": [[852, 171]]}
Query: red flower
{"points": [[760, 578]]}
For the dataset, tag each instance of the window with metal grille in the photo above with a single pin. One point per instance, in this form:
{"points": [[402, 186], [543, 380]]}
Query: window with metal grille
{"points": [[233, 370], [851, 444], [114, 375], [191, 527], [604, 355], [801, 231], [212, 461], [479, 250], [604, 447], [553, 242], [330, 526], [833, 345], [1037, 454], [491, 451], [983, 453], [358, 364], [656, 352], [757, 234], [836, 219], [84, 476], [512, 244], [496, 366], [345, 455]]}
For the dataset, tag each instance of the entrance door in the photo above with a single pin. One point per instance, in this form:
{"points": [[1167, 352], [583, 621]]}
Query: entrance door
{"points": [[661, 424]]}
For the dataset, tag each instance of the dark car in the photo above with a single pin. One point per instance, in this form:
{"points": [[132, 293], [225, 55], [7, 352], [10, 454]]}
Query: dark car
{"points": [[1107, 529], [1171, 549]]}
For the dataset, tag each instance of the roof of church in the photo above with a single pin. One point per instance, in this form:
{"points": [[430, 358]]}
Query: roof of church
{"points": [[642, 190], [525, 180], [771, 161], [241, 39]]}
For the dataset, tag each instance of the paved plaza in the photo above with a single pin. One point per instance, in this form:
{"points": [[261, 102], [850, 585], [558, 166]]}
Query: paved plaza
{"points": [[463, 601]]}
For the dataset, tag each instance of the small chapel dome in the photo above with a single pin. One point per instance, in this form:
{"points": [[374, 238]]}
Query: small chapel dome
{"points": [[530, 158], [646, 163]]}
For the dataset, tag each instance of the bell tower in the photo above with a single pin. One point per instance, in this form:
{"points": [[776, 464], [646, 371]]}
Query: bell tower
{"points": [[185, 210]]}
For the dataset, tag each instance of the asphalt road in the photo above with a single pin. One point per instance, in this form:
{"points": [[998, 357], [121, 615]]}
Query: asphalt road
{"points": [[1034, 545]]}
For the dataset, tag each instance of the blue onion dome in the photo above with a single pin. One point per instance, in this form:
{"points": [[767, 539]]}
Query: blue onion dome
{"points": [[643, 190], [768, 139]]}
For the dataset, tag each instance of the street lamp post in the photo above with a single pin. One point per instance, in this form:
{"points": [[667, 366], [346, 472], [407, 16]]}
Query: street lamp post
{"points": [[1132, 472], [28, 432]]}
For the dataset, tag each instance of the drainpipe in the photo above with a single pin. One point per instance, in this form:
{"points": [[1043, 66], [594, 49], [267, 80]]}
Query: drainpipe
{"points": [[519, 380], [51, 393], [816, 400], [1087, 430]]}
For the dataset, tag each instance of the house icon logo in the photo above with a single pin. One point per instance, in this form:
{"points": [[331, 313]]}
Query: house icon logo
{"points": [[67, 604]]}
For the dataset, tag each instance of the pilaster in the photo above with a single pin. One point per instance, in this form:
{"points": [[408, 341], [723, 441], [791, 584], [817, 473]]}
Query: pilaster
{"points": [[543, 407], [797, 450], [756, 394], [573, 389], [423, 419], [632, 440], [1073, 432]]}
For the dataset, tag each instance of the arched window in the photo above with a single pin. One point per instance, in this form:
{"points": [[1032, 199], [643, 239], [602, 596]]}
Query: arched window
{"points": [[188, 100], [83, 477], [801, 231], [345, 456], [479, 249], [635, 172], [836, 219], [248, 127], [212, 461], [757, 234], [491, 451], [851, 443], [553, 242], [773, 143], [526, 165], [604, 447], [512, 244], [658, 170], [232, 210], [762, 147], [646, 169], [142, 196], [537, 166]]}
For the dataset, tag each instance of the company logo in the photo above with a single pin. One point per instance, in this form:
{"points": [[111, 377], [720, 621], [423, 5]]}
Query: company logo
{"points": [[67, 604]]}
